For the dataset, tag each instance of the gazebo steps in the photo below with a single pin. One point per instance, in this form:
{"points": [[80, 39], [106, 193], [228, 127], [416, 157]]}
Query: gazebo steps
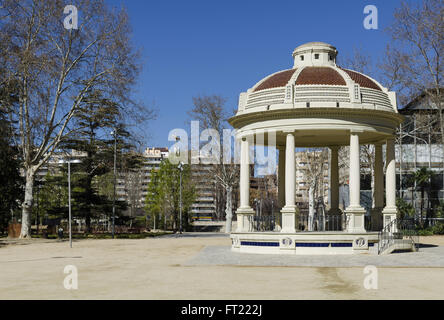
{"points": [[399, 245]]}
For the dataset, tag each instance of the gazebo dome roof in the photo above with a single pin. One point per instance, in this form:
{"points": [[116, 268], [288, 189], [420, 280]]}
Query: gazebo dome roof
{"points": [[316, 76], [316, 80]]}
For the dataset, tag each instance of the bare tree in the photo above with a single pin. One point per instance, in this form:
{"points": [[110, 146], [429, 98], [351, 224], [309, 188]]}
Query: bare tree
{"points": [[414, 60], [133, 188], [211, 114], [56, 67], [314, 169], [359, 61]]}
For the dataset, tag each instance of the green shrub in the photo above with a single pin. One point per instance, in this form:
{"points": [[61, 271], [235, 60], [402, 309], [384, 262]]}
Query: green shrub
{"points": [[438, 229], [425, 232], [440, 210]]}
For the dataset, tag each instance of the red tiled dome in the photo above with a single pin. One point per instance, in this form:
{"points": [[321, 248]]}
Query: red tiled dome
{"points": [[321, 76], [362, 80], [277, 80], [316, 76]]}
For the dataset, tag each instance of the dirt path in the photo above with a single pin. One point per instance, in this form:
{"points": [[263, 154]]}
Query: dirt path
{"points": [[152, 269]]}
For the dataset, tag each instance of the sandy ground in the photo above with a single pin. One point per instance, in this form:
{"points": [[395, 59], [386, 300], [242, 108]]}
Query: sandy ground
{"points": [[152, 269]]}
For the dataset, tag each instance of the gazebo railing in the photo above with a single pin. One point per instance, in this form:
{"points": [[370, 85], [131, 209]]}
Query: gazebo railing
{"points": [[263, 223], [307, 223]]}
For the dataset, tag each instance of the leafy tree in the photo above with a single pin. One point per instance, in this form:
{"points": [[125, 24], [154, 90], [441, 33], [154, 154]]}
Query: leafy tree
{"points": [[52, 196], [422, 177], [11, 186], [95, 119], [155, 202], [164, 193], [405, 209]]}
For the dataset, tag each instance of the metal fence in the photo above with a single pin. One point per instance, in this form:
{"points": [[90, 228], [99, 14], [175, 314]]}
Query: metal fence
{"points": [[431, 222], [305, 222], [320, 223], [264, 223]]}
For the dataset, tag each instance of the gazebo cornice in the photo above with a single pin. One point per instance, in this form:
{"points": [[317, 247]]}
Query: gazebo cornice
{"points": [[242, 120]]}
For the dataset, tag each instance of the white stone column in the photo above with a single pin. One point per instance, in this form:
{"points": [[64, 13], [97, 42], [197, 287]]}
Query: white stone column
{"points": [[334, 182], [244, 213], [289, 211], [390, 211], [281, 177], [378, 189], [355, 213]]}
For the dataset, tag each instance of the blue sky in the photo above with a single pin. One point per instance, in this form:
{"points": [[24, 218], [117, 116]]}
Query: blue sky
{"points": [[224, 47]]}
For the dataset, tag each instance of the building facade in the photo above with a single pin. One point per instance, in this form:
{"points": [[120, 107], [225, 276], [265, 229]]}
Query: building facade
{"points": [[204, 207]]}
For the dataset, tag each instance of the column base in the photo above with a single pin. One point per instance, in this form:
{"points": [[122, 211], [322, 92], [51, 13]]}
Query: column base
{"points": [[289, 219], [245, 219], [355, 219], [390, 214], [376, 218]]}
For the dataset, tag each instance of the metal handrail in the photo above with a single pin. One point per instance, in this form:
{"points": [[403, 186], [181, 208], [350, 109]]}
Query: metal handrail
{"points": [[409, 228], [398, 229]]}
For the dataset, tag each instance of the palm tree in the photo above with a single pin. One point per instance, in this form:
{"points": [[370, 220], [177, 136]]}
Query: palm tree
{"points": [[422, 177]]}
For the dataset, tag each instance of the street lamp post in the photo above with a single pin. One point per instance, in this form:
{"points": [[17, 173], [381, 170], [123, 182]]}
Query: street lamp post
{"points": [[114, 133], [180, 167], [69, 161]]}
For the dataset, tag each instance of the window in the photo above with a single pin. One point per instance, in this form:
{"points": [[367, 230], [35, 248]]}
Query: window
{"points": [[308, 104], [302, 58], [316, 56]]}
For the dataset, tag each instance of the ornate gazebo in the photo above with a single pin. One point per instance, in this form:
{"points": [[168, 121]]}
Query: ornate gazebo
{"points": [[317, 104]]}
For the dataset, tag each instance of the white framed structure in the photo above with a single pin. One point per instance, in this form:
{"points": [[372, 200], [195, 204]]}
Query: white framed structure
{"points": [[317, 104]]}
